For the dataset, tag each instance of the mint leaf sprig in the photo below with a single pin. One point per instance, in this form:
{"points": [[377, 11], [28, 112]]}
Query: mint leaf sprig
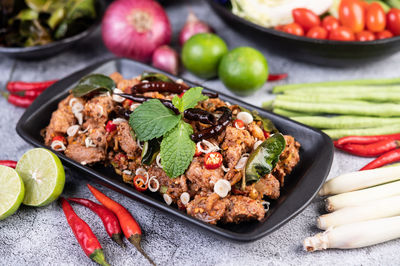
{"points": [[152, 120]]}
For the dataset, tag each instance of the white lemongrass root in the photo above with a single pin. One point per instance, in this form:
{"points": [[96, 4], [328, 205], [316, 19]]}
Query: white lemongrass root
{"points": [[369, 211], [355, 235], [359, 180], [359, 197]]}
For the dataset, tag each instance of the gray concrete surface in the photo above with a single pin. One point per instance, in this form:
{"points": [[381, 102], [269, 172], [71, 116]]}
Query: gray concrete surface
{"points": [[41, 236]]}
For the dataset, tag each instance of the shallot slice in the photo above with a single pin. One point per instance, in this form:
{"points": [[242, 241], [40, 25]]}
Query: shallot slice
{"points": [[242, 161], [89, 142], [72, 130], [77, 107], [151, 188], [79, 116], [118, 98], [222, 188], [58, 145], [119, 121], [158, 161], [141, 171], [167, 199]]}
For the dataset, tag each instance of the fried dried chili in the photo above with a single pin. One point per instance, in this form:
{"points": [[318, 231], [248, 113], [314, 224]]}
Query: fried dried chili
{"points": [[210, 132], [110, 221], [142, 99], [197, 114]]}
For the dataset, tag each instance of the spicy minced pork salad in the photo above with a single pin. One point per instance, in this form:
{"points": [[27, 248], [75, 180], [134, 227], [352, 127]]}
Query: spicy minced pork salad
{"points": [[218, 162]]}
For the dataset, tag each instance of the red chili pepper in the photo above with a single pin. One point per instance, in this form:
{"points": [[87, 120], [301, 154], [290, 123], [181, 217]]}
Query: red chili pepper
{"points": [[110, 127], [277, 77], [129, 225], [181, 95], [239, 124], [140, 183], [85, 236], [127, 103], [197, 152], [18, 86], [59, 138], [386, 158], [367, 139], [110, 221], [8, 163], [213, 160], [370, 150], [28, 94], [17, 100], [266, 134]]}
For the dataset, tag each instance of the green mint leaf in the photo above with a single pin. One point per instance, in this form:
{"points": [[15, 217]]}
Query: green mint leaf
{"points": [[177, 150], [189, 99], [152, 120]]}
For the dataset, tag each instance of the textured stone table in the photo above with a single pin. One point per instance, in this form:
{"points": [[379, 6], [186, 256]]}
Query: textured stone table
{"points": [[41, 236]]}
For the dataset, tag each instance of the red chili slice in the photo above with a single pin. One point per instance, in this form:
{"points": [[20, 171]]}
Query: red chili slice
{"points": [[110, 127], [213, 160], [239, 124], [140, 183]]}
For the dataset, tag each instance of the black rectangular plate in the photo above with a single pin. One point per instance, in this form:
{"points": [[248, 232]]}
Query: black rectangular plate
{"points": [[301, 186]]}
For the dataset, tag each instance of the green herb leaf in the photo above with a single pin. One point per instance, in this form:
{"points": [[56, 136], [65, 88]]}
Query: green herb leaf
{"points": [[189, 99], [152, 120], [56, 17], [152, 76], [263, 159], [177, 150], [93, 82], [267, 124], [27, 14]]}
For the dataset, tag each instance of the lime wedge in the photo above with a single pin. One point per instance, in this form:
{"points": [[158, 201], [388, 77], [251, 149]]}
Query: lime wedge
{"points": [[12, 191], [43, 175]]}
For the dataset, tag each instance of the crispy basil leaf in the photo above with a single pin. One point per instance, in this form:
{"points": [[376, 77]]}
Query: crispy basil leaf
{"points": [[152, 76], [92, 83]]}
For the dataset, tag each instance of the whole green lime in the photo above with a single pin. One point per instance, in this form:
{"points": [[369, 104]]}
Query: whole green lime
{"points": [[202, 53], [243, 70]]}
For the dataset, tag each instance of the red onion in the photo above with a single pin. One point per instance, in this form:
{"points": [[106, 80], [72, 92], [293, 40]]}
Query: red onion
{"points": [[167, 59], [135, 28], [193, 26]]}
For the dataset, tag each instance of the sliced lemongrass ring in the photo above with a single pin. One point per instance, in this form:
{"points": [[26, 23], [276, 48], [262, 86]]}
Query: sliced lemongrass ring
{"points": [[79, 116], [156, 187], [158, 160], [118, 98], [222, 188], [245, 117], [167, 199], [242, 162], [58, 145], [185, 198]]}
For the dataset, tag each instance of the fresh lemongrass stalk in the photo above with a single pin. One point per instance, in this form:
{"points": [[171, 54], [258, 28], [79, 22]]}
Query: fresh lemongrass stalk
{"points": [[359, 180], [378, 96], [370, 109], [344, 122], [369, 211], [355, 235], [383, 130], [333, 84], [343, 89], [356, 198]]}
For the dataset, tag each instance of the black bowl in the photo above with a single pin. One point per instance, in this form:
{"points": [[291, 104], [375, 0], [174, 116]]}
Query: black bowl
{"points": [[53, 48], [322, 52], [301, 186]]}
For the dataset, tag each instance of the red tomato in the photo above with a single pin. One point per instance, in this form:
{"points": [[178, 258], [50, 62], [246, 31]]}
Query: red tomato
{"points": [[364, 36], [342, 34], [293, 28], [305, 18], [352, 15], [213, 160], [330, 23], [384, 35], [393, 21], [317, 33], [375, 17]]}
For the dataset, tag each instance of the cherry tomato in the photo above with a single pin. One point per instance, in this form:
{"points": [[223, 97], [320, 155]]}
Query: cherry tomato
{"points": [[375, 17], [365, 36], [213, 160], [330, 23], [140, 183], [305, 18], [384, 35], [342, 34], [239, 124], [352, 15], [293, 28], [110, 127], [393, 21], [317, 33]]}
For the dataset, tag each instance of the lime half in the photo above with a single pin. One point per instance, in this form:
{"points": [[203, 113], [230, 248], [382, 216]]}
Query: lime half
{"points": [[43, 175], [12, 191]]}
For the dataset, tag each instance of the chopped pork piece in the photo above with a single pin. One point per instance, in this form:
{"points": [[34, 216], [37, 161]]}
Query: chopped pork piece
{"points": [[85, 155], [176, 186], [98, 136], [127, 143], [256, 131], [211, 104], [209, 209], [98, 108], [268, 186], [236, 143], [288, 159], [202, 177], [241, 208]]}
